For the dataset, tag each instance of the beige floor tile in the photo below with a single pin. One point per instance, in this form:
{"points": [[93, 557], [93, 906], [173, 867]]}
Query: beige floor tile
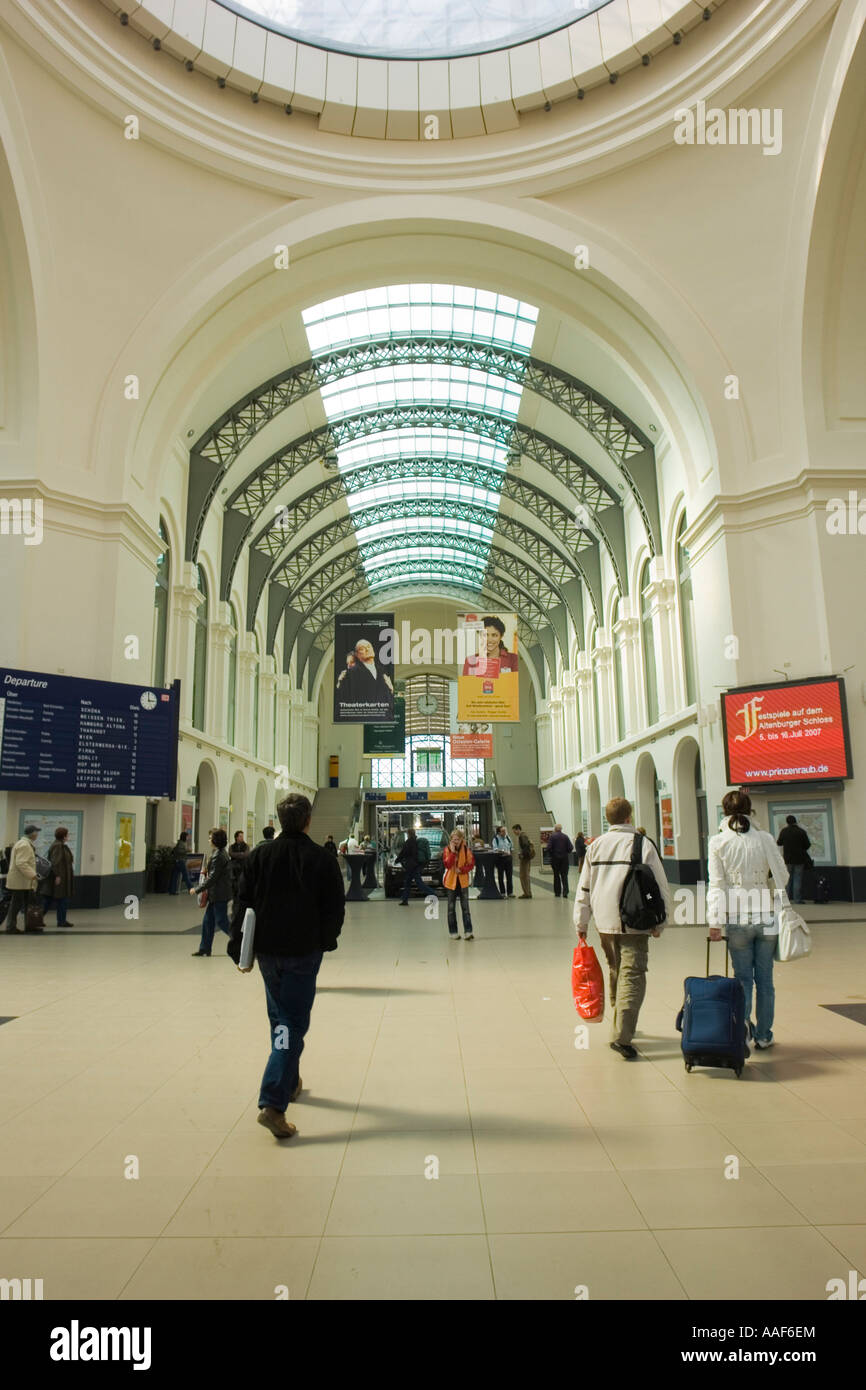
{"points": [[164, 1154], [274, 1207], [704, 1197], [30, 1152], [638, 1107], [826, 1193], [399, 1268], [409, 1153], [621, 1265], [850, 1241], [73, 1270], [250, 1152], [562, 1153], [794, 1141], [428, 1110], [17, 1194], [397, 1206], [666, 1146], [224, 1270], [782, 1262], [526, 1203], [628, 1077], [99, 1206]]}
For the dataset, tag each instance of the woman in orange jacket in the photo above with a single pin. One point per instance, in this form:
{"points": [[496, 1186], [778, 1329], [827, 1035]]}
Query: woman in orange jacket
{"points": [[459, 862]]}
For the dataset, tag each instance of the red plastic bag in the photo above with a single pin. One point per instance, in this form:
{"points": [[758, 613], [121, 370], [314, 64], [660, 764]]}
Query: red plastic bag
{"points": [[587, 983]]}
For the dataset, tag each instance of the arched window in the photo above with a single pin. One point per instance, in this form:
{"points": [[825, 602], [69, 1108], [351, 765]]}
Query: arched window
{"points": [[160, 606], [255, 743], [618, 672], [687, 614], [649, 648], [199, 674], [232, 693]]}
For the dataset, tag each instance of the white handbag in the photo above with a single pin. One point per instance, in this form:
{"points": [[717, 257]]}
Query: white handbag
{"points": [[794, 940]]}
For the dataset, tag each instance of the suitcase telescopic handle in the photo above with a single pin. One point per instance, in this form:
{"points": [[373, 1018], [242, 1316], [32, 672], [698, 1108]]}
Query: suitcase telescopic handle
{"points": [[727, 955]]}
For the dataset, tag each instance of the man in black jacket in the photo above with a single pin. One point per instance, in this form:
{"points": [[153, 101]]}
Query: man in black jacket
{"points": [[296, 891], [795, 844], [559, 847]]}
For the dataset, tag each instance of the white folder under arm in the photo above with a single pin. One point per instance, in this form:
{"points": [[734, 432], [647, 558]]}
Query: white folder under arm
{"points": [[248, 936]]}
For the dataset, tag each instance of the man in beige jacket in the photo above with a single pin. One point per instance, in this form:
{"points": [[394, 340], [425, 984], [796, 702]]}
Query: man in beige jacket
{"points": [[22, 877]]}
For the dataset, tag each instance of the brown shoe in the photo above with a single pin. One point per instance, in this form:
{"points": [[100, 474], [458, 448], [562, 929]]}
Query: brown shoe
{"points": [[297, 1091], [276, 1123]]}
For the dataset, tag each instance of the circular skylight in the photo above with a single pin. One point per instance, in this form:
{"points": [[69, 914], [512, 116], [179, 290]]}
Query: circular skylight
{"points": [[415, 28]]}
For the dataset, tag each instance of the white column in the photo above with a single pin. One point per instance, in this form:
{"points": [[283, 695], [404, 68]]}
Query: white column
{"points": [[602, 655], [569, 720], [219, 650], [626, 634], [585, 697], [247, 661], [310, 769], [542, 734], [296, 743], [662, 593], [267, 696], [185, 601], [282, 752], [557, 752]]}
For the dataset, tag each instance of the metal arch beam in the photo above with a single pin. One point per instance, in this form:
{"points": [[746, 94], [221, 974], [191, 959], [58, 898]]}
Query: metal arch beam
{"points": [[271, 542], [587, 487], [216, 450]]}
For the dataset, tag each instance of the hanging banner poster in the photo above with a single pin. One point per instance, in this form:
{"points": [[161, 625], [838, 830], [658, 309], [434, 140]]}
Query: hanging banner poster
{"points": [[363, 668], [666, 806], [487, 688], [388, 740], [472, 741]]}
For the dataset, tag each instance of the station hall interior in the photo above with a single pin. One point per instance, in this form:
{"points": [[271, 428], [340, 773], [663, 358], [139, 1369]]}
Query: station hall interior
{"points": [[536, 326]]}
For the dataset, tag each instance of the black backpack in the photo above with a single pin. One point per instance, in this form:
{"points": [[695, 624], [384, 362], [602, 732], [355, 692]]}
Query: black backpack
{"points": [[423, 850], [641, 905]]}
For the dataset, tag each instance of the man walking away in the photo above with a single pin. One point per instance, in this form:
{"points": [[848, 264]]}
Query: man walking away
{"points": [[604, 872], [295, 889], [579, 851], [409, 857], [794, 844], [559, 847], [22, 878], [524, 845]]}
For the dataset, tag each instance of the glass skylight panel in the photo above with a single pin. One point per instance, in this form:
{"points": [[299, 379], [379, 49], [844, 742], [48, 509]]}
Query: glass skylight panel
{"points": [[418, 310]]}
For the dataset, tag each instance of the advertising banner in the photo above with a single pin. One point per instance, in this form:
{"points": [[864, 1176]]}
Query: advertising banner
{"points": [[472, 741], [487, 687], [787, 732], [388, 740], [186, 814], [363, 668], [124, 841], [666, 806]]}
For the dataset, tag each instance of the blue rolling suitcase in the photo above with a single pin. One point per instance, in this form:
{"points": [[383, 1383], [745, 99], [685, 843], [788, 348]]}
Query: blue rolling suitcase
{"points": [[713, 1021]]}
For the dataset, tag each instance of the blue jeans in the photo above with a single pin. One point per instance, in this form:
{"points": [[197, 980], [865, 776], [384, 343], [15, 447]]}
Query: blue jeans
{"points": [[752, 954], [215, 915], [290, 988], [60, 904], [411, 876], [795, 883], [179, 871]]}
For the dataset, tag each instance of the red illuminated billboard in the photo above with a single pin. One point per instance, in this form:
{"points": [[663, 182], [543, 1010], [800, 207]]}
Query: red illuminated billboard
{"points": [[793, 731]]}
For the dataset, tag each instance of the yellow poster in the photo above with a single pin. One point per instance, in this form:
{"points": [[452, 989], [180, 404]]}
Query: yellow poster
{"points": [[124, 838], [488, 683]]}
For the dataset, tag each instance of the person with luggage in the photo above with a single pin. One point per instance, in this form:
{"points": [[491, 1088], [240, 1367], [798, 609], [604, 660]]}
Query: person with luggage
{"points": [[609, 860], [559, 847], [295, 889], [503, 848], [409, 856], [526, 853], [21, 882], [795, 845], [217, 883], [59, 885], [738, 896], [178, 869], [459, 862]]}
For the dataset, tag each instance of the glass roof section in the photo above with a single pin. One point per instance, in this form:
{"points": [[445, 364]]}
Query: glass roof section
{"points": [[414, 28], [421, 311]]}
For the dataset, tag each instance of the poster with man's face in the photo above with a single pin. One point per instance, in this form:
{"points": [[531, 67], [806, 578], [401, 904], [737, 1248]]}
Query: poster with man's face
{"points": [[363, 668]]}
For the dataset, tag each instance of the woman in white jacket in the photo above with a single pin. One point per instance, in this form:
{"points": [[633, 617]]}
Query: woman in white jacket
{"points": [[741, 858]]}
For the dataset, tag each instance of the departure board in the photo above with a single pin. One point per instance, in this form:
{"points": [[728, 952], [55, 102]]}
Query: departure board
{"points": [[62, 734]]}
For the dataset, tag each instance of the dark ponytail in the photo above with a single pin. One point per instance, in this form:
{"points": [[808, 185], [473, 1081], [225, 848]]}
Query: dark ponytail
{"points": [[737, 806]]}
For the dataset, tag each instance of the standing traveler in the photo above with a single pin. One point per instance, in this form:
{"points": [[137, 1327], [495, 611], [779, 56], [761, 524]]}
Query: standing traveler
{"points": [[409, 856], [59, 887], [579, 851], [237, 854], [504, 849], [526, 852], [295, 889], [602, 878], [178, 869], [459, 862], [330, 846], [559, 847], [22, 878], [268, 834], [740, 858], [795, 845], [218, 886]]}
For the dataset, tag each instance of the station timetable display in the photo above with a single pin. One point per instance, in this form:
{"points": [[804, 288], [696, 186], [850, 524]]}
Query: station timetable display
{"points": [[63, 734]]}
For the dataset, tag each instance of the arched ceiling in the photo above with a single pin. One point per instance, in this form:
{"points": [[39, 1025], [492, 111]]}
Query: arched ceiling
{"points": [[424, 475]]}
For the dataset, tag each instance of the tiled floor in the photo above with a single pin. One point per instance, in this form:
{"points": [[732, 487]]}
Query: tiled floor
{"points": [[453, 1142]]}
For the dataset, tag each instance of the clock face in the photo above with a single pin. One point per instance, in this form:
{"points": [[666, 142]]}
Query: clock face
{"points": [[427, 704], [148, 700]]}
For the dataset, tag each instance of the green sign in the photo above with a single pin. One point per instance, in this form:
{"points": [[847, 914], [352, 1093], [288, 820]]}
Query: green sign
{"points": [[388, 740]]}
